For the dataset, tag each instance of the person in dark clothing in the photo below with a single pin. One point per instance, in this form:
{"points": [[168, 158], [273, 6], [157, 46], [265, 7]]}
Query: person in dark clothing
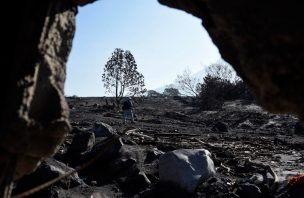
{"points": [[127, 108]]}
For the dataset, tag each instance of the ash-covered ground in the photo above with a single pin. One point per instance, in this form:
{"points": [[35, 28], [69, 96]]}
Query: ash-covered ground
{"points": [[254, 152]]}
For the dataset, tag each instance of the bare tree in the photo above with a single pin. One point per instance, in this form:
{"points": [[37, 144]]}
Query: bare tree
{"points": [[223, 71], [121, 76], [188, 84]]}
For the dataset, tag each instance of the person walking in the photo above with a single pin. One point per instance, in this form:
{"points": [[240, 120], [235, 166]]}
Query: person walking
{"points": [[127, 108]]}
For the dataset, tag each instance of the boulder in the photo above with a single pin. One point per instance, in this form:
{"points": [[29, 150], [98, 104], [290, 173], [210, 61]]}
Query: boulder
{"points": [[82, 142], [48, 170], [128, 161], [101, 129], [152, 155], [118, 162], [186, 168], [107, 150]]}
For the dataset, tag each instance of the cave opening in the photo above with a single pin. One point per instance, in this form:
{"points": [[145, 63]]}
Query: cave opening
{"points": [[163, 41]]}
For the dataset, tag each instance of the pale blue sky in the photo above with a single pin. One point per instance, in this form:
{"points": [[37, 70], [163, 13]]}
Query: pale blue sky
{"points": [[163, 41]]}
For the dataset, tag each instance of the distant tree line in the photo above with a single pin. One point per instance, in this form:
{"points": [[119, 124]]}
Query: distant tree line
{"points": [[169, 91], [220, 84]]}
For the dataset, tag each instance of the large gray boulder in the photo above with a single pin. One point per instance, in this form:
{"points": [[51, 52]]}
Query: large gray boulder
{"points": [[186, 168]]}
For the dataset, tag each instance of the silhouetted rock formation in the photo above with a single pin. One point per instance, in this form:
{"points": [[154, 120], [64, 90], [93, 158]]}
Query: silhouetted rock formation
{"points": [[34, 114]]}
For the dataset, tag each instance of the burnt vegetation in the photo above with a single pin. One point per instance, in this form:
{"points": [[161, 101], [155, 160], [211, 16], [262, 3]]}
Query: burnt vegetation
{"points": [[215, 91]]}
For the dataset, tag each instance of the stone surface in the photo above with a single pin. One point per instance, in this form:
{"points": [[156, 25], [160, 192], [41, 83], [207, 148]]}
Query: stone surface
{"points": [[186, 167], [108, 150], [82, 142], [49, 169], [34, 113], [263, 41], [103, 130], [129, 161], [152, 155]]}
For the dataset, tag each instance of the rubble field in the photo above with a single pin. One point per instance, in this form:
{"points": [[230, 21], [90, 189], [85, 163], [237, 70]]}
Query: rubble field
{"points": [[254, 153]]}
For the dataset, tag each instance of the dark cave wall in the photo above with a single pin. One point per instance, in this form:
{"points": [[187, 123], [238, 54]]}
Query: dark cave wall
{"points": [[34, 117]]}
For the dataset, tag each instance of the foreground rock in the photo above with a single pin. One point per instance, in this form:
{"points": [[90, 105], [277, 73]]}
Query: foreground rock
{"points": [[34, 113], [186, 167], [101, 129], [82, 142], [106, 150], [48, 170]]}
